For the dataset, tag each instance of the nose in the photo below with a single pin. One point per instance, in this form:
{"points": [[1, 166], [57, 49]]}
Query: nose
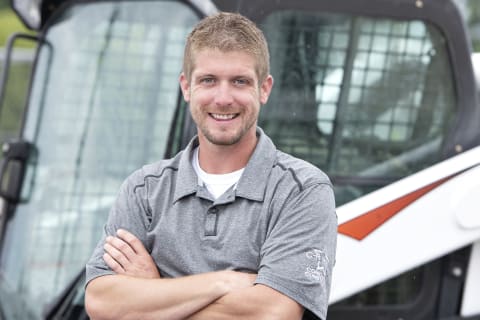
{"points": [[223, 95]]}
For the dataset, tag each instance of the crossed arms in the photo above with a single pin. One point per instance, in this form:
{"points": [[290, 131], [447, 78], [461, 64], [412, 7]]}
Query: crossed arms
{"points": [[137, 291]]}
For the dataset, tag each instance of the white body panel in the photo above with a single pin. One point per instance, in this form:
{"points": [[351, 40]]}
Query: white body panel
{"points": [[442, 220]]}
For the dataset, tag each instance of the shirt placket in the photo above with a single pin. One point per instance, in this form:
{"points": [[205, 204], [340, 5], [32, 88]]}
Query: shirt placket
{"points": [[211, 222]]}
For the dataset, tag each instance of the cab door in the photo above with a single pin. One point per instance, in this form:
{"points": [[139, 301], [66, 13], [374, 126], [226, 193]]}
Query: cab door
{"points": [[104, 101]]}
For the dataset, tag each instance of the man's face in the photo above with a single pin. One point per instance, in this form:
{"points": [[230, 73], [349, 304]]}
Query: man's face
{"points": [[224, 95]]}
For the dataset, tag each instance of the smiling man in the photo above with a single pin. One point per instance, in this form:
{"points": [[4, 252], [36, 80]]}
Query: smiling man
{"points": [[231, 227]]}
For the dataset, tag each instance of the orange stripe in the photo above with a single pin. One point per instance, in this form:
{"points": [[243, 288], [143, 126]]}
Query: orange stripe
{"points": [[361, 226]]}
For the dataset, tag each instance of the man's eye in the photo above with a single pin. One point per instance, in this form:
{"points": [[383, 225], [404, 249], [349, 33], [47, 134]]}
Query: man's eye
{"points": [[207, 80], [240, 82]]}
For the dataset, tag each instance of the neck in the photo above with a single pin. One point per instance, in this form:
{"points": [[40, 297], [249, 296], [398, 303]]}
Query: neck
{"points": [[220, 159]]}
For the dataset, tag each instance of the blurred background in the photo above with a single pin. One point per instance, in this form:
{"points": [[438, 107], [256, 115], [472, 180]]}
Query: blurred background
{"points": [[23, 54], [24, 51]]}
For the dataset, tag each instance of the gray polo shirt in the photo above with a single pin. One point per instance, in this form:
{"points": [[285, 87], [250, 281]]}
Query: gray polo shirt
{"points": [[279, 222]]}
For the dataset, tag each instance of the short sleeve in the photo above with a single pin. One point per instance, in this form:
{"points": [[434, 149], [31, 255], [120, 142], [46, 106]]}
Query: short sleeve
{"points": [[130, 211], [298, 254]]}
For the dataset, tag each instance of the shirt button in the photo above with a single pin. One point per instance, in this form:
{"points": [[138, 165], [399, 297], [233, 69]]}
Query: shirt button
{"points": [[213, 210]]}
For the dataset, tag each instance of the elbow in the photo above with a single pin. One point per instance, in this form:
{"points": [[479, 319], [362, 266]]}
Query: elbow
{"points": [[273, 314], [283, 309], [95, 308], [97, 304], [276, 314]]}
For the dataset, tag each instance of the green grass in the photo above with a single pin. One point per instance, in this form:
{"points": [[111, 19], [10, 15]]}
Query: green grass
{"points": [[10, 23], [17, 85]]}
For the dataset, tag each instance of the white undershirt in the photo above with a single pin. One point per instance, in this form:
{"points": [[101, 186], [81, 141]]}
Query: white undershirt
{"points": [[216, 184]]}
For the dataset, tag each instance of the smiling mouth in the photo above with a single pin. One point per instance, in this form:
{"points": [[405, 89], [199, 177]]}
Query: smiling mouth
{"points": [[223, 117]]}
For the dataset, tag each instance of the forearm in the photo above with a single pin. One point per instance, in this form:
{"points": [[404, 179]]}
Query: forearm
{"points": [[124, 297], [257, 303]]}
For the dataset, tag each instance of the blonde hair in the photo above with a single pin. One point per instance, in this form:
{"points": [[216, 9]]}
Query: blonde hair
{"points": [[227, 32]]}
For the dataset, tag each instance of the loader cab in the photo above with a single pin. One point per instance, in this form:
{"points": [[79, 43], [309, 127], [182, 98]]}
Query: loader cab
{"points": [[369, 91]]}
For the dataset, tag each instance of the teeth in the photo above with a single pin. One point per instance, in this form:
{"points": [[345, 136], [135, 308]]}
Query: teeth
{"points": [[223, 116]]}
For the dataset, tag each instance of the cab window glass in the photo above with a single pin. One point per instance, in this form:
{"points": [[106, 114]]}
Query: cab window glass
{"points": [[367, 100], [103, 99]]}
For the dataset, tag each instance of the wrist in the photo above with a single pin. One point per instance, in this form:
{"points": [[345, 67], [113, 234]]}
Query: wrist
{"points": [[224, 281], [228, 281]]}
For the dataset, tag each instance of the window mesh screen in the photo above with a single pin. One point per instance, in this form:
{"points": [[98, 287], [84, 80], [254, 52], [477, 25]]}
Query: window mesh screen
{"points": [[367, 100]]}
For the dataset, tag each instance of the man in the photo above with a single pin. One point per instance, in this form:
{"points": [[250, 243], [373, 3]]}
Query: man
{"points": [[230, 228]]}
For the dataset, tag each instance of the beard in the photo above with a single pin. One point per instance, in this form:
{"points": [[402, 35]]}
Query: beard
{"points": [[225, 137]]}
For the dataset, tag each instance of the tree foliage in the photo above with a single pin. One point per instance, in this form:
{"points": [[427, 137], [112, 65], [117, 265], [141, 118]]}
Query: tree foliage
{"points": [[4, 4]]}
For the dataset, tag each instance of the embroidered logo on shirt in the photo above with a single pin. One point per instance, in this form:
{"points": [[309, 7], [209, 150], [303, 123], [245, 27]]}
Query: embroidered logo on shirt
{"points": [[317, 268]]}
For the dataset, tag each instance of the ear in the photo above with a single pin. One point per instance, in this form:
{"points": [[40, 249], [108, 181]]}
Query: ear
{"points": [[265, 89], [185, 87]]}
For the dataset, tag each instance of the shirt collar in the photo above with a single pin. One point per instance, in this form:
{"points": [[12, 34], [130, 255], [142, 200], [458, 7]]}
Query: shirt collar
{"points": [[187, 180], [252, 183]]}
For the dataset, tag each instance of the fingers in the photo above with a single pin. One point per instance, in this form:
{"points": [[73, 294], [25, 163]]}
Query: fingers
{"points": [[115, 257], [119, 247], [125, 254], [113, 264], [118, 254], [132, 241]]}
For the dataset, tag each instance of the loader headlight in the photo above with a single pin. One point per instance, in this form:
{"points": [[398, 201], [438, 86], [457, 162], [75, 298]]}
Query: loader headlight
{"points": [[29, 12]]}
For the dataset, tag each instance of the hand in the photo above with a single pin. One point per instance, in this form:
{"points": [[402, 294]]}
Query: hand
{"points": [[126, 255], [235, 280]]}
